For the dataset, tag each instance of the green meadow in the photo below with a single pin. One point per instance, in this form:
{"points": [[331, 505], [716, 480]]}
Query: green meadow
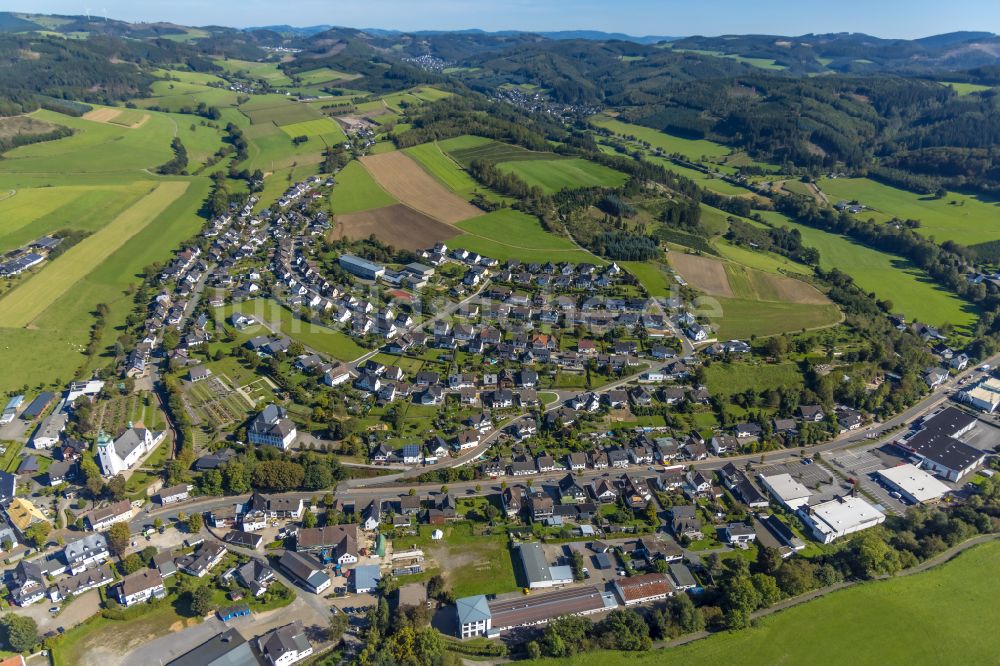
{"points": [[921, 619], [890, 277], [555, 175], [356, 191], [962, 218], [692, 149], [651, 275], [510, 234], [322, 339], [433, 159], [266, 71], [94, 147], [742, 318]]}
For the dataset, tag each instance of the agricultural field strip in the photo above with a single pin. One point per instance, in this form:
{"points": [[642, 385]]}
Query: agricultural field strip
{"points": [[21, 306]]}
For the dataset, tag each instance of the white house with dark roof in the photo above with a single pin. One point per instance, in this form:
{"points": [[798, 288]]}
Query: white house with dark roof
{"points": [[272, 427], [124, 452]]}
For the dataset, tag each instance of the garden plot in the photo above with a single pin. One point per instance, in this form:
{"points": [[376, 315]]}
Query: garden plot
{"points": [[214, 401]]}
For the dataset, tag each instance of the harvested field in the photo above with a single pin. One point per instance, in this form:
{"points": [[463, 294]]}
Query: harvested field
{"points": [[745, 282], [399, 226], [123, 117], [105, 115], [702, 273], [404, 179]]}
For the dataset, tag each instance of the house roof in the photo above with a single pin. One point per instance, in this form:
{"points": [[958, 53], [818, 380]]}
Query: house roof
{"points": [[366, 576], [143, 580], [636, 588], [289, 639], [472, 609], [227, 648]]}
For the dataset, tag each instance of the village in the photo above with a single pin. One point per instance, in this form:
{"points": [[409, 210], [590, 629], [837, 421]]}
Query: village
{"points": [[301, 434]]}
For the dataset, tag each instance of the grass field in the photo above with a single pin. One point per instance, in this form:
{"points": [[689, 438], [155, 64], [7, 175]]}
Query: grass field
{"points": [[467, 148], [743, 318], [282, 112], [890, 277], [434, 160], [322, 339], [692, 149], [476, 564], [22, 305], [762, 261], [326, 129], [509, 234], [965, 88], [957, 217], [94, 147], [53, 347], [323, 75], [652, 276], [936, 618], [267, 71], [703, 179], [356, 191], [555, 175], [33, 212]]}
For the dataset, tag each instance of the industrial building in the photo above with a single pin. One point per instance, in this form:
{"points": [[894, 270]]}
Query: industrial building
{"points": [[478, 616], [839, 517], [786, 490], [362, 268], [537, 570], [913, 483], [936, 446]]}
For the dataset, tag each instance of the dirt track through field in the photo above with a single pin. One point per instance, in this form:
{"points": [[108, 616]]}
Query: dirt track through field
{"points": [[404, 179], [398, 225], [702, 273]]}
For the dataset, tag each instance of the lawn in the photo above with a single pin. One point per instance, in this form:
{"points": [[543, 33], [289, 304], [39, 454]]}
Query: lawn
{"points": [[940, 617], [742, 318], [555, 175], [489, 235], [356, 191], [709, 182], [892, 278], [322, 339], [23, 304], [692, 149], [962, 218], [731, 378], [652, 276], [475, 564]]}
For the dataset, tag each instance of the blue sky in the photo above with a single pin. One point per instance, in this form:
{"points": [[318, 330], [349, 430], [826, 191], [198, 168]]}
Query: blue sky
{"points": [[885, 18]]}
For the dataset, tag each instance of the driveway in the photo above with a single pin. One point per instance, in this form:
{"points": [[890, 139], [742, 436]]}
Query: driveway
{"points": [[78, 610]]}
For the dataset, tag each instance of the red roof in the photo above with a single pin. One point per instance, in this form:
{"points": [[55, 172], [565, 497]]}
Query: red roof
{"points": [[637, 588]]}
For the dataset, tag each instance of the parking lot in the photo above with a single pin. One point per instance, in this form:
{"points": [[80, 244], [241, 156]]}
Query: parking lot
{"points": [[984, 436], [861, 464]]}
